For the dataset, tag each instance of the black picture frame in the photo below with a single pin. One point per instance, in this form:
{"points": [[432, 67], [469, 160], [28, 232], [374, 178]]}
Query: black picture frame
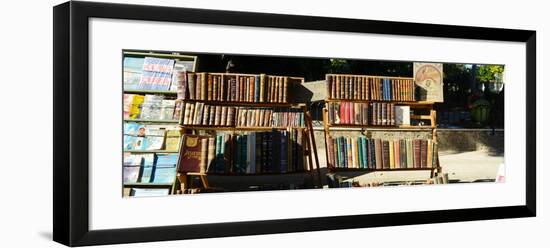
{"points": [[71, 123]]}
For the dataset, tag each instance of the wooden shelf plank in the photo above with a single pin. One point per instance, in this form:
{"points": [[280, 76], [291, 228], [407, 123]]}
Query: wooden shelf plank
{"points": [[244, 104], [370, 127], [151, 121], [138, 91], [416, 103], [152, 151], [421, 117], [258, 174], [374, 170], [164, 55], [226, 128], [147, 185]]}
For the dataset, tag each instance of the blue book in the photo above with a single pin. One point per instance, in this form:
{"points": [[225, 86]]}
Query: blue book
{"points": [[148, 163], [165, 168], [257, 89], [365, 154], [284, 152], [166, 160]]}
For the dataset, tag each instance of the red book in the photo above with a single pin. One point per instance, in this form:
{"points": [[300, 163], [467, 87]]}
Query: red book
{"points": [[351, 113], [416, 151], [343, 113], [190, 153]]}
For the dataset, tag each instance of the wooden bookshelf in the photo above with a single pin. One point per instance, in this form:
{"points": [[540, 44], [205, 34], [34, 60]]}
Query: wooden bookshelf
{"points": [[309, 152], [420, 105]]}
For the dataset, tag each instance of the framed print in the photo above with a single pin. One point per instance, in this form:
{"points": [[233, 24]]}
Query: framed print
{"points": [[178, 123]]}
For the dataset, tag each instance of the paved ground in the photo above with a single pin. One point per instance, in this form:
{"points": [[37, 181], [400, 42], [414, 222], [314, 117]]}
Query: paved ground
{"points": [[470, 166], [462, 167]]}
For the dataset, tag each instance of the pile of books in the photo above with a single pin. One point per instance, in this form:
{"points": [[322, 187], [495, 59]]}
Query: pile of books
{"points": [[269, 117], [360, 87], [250, 153], [374, 113], [234, 87], [365, 153]]}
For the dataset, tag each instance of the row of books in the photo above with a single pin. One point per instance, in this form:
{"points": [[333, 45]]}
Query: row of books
{"points": [[149, 107], [365, 153], [205, 114], [358, 87], [215, 115], [375, 113], [202, 153], [151, 73], [267, 117], [138, 136], [250, 153], [234, 87], [149, 168]]}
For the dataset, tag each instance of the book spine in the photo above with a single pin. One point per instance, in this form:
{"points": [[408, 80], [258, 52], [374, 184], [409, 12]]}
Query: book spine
{"points": [[204, 155]]}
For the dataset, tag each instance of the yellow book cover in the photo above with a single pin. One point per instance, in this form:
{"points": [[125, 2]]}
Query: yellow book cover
{"points": [[135, 106], [172, 139]]}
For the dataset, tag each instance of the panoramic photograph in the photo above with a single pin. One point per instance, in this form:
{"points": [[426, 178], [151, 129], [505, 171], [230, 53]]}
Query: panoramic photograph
{"points": [[196, 123]]}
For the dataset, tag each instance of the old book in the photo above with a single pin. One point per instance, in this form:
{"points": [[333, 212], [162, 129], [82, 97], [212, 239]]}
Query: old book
{"points": [[385, 154], [423, 153], [391, 155], [190, 153], [397, 153], [429, 154], [378, 152], [417, 153]]}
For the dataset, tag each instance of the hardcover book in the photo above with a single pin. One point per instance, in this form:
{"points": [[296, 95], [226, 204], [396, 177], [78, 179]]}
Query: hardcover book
{"points": [[190, 153]]}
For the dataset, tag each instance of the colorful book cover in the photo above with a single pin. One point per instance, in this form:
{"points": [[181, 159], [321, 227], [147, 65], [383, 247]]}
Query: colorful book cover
{"points": [[165, 168], [132, 72], [190, 153], [167, 109], [154, 139], [172, 139], [130, 174]]}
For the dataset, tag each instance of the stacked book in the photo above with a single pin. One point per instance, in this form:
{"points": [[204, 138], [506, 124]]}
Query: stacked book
{"points": [[383, 114], [349, 113], [348, 87], [391, 89], [362, 114], [269, 117], [361, 87], [365, 153], [234, 87], [250, 153], [205, 114]]}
